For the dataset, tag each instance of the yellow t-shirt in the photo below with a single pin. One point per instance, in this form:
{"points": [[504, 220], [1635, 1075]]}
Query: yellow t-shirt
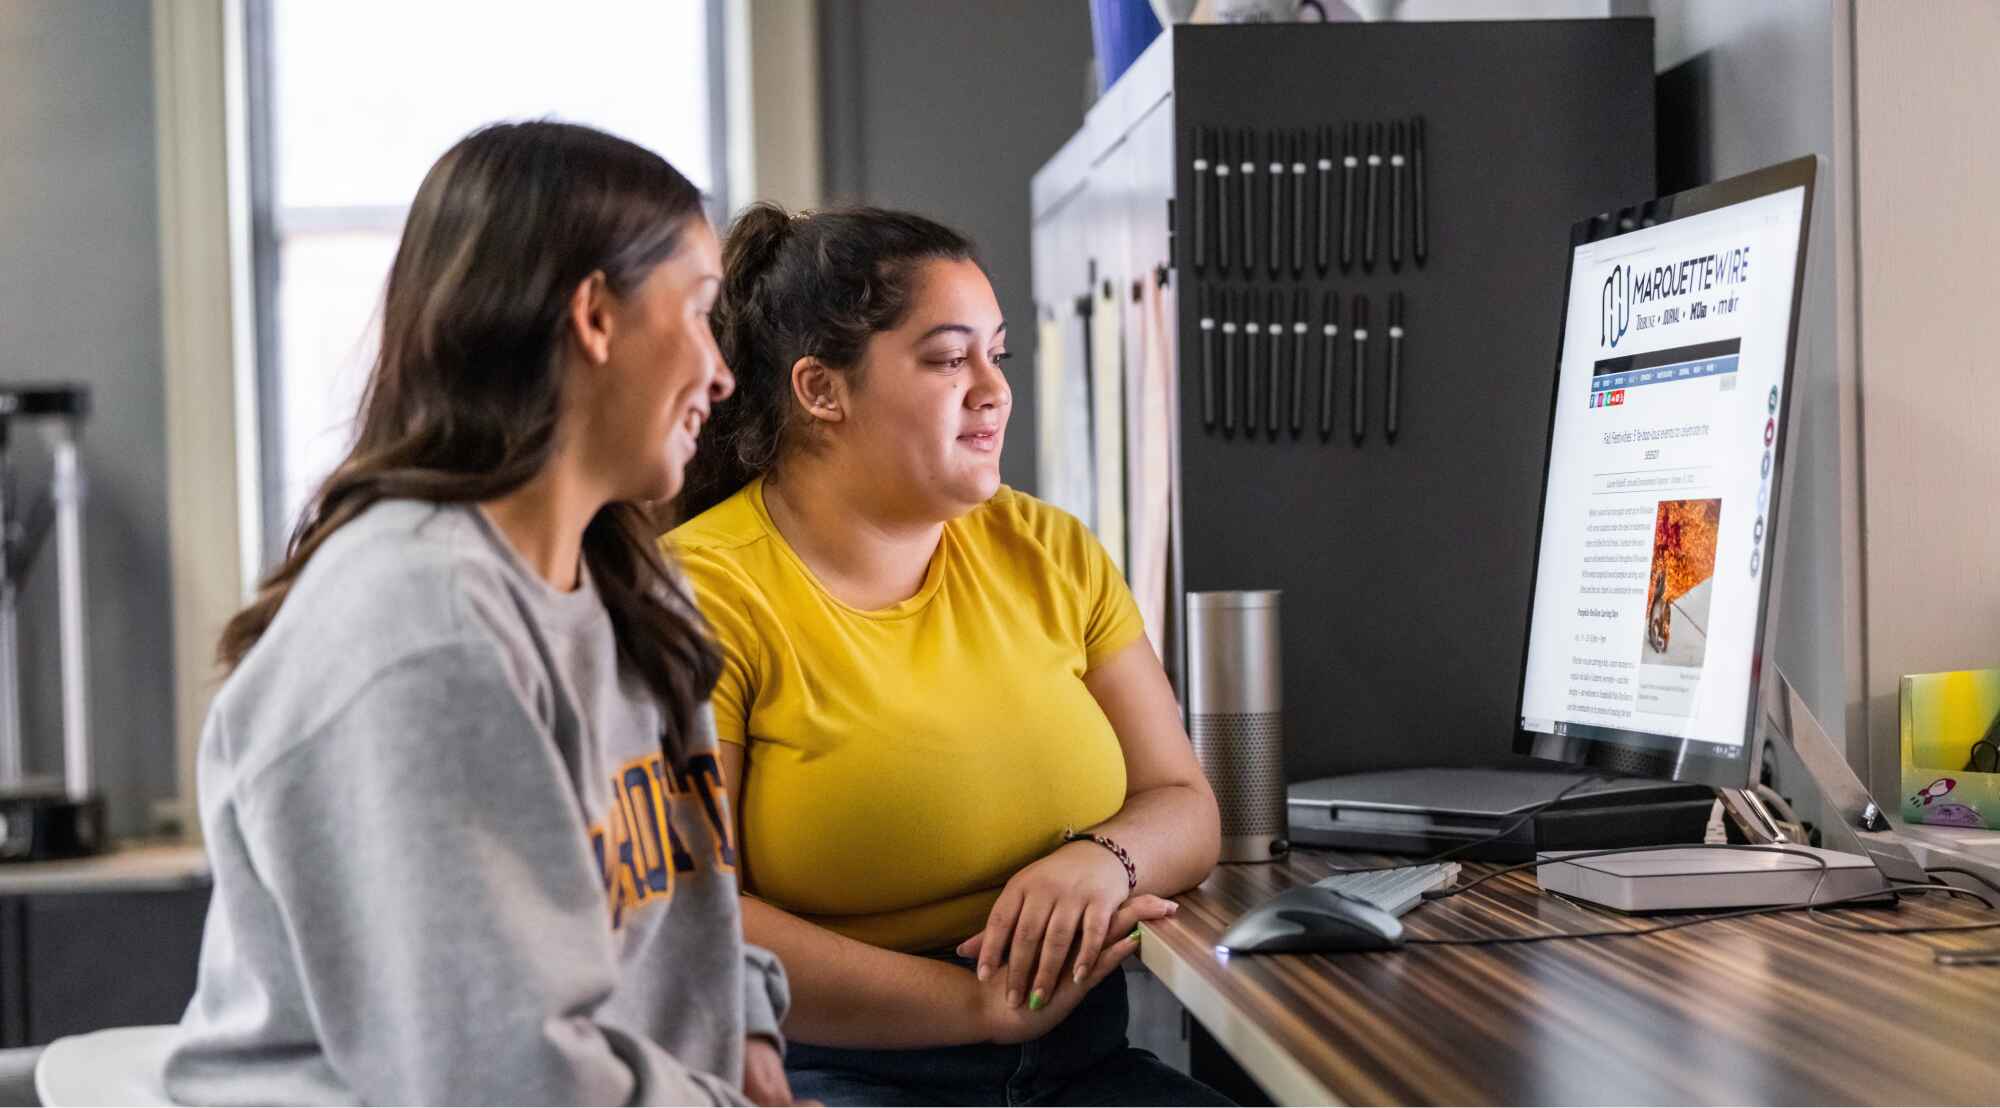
{"points": [[905, 762]]}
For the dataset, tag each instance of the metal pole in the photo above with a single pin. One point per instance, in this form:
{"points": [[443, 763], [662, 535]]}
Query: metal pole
{"points": [[78, 776], [10, 655]]}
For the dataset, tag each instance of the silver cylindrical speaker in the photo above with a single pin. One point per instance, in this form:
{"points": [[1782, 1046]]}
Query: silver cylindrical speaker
{"points": [[1235, 716]]}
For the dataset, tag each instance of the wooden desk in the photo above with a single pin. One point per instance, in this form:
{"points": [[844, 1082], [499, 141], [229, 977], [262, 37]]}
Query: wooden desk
{"points": [[1772, 1009]]}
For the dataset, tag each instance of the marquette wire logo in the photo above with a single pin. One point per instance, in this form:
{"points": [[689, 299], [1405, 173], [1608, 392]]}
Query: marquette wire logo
{"points": [[1616, 301]]}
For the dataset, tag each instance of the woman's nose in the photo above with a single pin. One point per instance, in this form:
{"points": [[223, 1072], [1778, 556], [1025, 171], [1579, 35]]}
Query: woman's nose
{"points": [[990, 390], [723, 384]]}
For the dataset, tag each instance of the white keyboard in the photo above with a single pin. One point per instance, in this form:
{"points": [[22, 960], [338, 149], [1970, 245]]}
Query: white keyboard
{"points": [[1395, 891]]}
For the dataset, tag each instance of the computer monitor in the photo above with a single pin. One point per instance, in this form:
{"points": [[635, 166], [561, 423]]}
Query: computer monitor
{"points": [[1657, 557]]}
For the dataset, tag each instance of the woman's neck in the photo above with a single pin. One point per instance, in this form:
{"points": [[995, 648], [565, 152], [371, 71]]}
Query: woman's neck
{"points": [[544, 521], [867, 558]]}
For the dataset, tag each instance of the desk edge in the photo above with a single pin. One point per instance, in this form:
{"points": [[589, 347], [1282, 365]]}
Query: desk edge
{"points": [[1281, 1075]]}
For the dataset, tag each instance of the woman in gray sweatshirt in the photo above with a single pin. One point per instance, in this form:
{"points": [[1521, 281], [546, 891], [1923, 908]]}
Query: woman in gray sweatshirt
{"points": [[469, 837]]}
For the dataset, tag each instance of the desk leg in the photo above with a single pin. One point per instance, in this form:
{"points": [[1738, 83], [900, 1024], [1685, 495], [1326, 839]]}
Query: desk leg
{"points": [[1211, 1065]]}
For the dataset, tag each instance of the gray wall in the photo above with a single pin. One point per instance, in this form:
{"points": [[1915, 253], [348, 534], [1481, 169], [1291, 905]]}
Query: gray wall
{"points": [[80, 300], [948, 110], [1761, 80]]}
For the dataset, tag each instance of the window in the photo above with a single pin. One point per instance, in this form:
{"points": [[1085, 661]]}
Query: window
{"points": [[350, 103]]}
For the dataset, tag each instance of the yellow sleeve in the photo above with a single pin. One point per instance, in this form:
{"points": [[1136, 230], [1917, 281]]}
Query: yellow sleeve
{"points": [[1111, 620], [724, 602], [1114, 622]]}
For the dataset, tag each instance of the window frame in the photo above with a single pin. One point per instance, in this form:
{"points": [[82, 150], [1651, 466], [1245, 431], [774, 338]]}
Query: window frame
{"points": [[269, 225]]}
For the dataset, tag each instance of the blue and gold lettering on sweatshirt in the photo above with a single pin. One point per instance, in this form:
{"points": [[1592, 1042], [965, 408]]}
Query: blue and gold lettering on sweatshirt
{"points": [[639, 844]]}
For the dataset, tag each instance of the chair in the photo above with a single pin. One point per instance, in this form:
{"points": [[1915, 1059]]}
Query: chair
{"points": [[120, 1065]]}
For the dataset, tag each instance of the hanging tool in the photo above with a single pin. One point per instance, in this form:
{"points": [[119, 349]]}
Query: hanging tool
{"points": [[1276, 262], [1399, 168], [1225, 216], [1253, 365], [1298, 204], [1299, 336], [1350, 143], [1329, 356], [1275, 381], [1207, 310], [1228, 364], [1358, 395], [1421, 220], [1374, 196], [1247, 188], [1323, 177], [1395, 387], [1201, 204]]}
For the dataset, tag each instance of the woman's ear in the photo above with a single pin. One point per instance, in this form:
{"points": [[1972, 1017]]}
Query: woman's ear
{"points": [[590, 318], [820, 390]]}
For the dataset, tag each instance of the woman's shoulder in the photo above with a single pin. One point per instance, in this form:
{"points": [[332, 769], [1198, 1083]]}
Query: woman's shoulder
{"points": [[730, 525], [399, 556], [402, 584], [726, 549], [403, 575], [1012, 516]]}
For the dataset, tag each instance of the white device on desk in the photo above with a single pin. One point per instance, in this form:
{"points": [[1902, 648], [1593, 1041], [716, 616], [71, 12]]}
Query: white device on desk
{"points": [[1649, 645]]}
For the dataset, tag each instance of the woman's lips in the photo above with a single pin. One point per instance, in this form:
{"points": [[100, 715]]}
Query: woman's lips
{"points": [[983, 441]]}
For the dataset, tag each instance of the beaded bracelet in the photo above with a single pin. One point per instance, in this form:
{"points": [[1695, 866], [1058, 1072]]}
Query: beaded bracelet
{"points": [[1118, 852]]}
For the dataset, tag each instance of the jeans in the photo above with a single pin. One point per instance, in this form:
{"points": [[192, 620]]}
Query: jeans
{"points": [[1084, 1061]]}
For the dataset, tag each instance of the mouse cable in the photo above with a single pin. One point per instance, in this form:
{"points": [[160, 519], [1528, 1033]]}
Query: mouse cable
{"points": [[1452, 852]]}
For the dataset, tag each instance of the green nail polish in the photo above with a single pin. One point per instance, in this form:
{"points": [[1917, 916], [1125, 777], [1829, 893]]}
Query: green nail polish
{"points": [[1134, 936], [1035, 1001]]}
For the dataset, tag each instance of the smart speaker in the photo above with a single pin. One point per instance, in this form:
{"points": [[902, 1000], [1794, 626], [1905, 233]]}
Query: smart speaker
{"points": [[1235, 716]]}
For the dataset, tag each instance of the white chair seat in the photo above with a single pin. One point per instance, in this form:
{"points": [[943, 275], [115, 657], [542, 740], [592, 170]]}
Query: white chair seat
{"points": [[120, 1065]]}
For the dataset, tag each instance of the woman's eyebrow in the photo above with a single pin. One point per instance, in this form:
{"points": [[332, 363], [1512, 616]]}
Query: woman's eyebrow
{"points": [[959, 329]]}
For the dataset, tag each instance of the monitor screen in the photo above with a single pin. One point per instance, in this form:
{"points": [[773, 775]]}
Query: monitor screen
{"points": [[1659, 510]]}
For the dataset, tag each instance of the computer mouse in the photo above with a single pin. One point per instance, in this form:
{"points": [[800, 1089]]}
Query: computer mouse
{"points": [[1310, 919]]}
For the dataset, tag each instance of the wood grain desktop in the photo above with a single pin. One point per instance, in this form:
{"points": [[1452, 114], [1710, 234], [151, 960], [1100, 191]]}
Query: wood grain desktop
{"points": [[1777, 1009]]}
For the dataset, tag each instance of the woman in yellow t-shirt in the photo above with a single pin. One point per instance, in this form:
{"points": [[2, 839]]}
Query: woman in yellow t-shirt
{"points": [[959, 768]]}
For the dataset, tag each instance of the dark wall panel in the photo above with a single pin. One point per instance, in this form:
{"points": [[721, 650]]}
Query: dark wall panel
{"points": [[1406, 566], [948, 109]]}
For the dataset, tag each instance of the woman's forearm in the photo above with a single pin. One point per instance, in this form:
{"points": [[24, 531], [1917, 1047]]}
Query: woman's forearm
{"points": [[847, 993], [1173, 834]]}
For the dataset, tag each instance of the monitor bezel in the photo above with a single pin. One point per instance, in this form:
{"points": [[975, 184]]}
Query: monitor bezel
{"points": [[1644, 753]]}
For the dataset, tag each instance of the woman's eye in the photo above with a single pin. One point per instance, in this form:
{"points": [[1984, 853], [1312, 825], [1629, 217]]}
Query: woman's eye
{"points": [[1003, 356], [954, 363]]}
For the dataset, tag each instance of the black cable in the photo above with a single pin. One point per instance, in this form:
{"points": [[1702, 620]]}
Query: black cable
{"points": [[1976, 876], [1939, 887], [1452, 852]]}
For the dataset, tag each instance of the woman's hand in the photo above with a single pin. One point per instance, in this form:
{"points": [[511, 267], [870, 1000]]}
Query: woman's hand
{"points": [[1062, 902], [1130, 915], [764, 1075], [1006, 1021]]}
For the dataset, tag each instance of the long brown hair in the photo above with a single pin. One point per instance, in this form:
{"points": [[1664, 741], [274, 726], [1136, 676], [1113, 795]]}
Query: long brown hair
{"points": [[817, 284], [463, 400]]}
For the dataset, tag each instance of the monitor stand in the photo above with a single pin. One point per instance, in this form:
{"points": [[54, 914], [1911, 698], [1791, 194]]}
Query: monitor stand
{"points": [[1862, 855]]}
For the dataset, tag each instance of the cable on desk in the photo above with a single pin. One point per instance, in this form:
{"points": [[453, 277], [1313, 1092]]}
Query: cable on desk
{"points": [[1452, 852], [1962, 872]]}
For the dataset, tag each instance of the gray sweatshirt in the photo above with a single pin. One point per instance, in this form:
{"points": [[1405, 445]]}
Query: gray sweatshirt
{"points": [[451, 864]]}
